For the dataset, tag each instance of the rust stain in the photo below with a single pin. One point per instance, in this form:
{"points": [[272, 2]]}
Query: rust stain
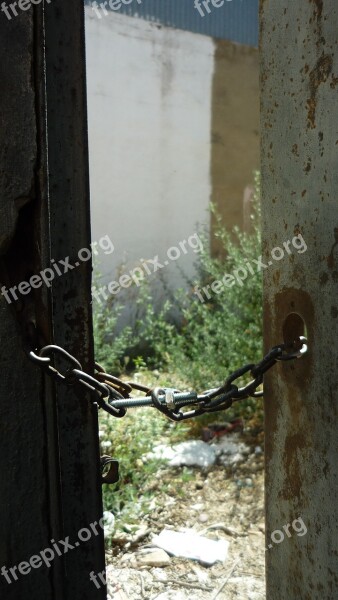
{"points": [[334, 82], [318, 75], [295, 150], [334, 312], [277, 307], [330, 259], [276, 278], [307, 168], [294, 445], [319, 8]]}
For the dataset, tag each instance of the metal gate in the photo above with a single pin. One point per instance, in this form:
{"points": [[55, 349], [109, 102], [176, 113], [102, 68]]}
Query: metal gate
{"points": [[49, 459]]}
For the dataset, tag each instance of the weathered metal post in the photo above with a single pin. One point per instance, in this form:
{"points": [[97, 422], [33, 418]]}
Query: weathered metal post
{"points": [[299, 83], [50, 491]]}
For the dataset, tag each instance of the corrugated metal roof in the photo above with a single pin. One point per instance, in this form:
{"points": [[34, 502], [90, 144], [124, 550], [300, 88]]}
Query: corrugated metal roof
{"points": [[236, 20]]}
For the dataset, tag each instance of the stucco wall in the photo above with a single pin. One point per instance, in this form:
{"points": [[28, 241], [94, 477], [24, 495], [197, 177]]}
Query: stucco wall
{"points": [[149, 102], [173, 124]]}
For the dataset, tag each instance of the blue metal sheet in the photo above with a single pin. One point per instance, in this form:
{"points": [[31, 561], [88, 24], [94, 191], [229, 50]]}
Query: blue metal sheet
{"points": [[236, 20]]}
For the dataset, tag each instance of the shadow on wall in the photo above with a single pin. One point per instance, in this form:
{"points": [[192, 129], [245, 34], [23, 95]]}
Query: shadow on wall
{"points": [[235, 150]]}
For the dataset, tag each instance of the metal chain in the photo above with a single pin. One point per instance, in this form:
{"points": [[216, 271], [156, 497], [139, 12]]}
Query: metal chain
{"points": [[113, 394]]}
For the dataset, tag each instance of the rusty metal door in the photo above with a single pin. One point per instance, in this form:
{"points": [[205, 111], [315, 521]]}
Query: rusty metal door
{"points": [[49, 460]]}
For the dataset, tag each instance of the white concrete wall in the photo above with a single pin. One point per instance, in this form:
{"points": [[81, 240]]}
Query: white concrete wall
{"points": [[149, 102]]}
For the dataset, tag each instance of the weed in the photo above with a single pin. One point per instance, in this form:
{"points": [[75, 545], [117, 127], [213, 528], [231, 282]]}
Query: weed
{"points": [[211, 339]]}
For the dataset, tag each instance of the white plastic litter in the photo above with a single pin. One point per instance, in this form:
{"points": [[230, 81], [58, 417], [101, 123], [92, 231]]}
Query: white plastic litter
{"points": [[191, 545], [109, 523], [192, 453], [228, 450]]}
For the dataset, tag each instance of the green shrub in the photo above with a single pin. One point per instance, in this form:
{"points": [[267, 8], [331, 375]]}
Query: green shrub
{"points": [[128, 440], [110, 348], [212, 339], [221, 331], [214, 336]]}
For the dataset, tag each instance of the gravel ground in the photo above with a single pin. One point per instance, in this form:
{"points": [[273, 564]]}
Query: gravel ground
{"points": [[220, 503]]}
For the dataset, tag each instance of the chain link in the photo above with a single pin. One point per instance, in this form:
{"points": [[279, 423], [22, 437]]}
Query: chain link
{"points": [[113, 394]]}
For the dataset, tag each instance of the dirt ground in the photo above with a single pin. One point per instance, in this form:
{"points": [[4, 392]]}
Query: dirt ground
{"points": [[220, 503]]}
